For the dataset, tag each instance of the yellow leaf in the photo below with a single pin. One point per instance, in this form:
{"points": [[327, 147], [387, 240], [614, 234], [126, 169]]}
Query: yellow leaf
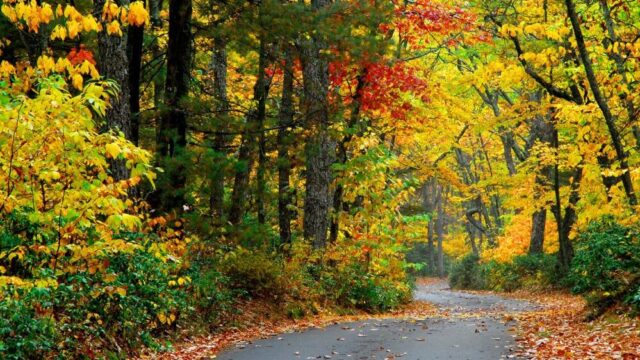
{"points": [[163, 318], [138, 15], [77, 81], [113, 28], [113, 150]]}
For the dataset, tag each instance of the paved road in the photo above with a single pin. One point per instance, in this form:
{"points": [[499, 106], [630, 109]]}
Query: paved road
{"points": [[472, 330]]}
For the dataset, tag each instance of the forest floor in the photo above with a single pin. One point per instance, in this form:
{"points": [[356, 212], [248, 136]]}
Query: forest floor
{"points": [[438, 324]]}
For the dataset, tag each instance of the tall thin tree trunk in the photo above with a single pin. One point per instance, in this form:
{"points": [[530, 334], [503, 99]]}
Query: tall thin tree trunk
{"points": [[285, 120], [609, 119], [472, 238], [507, 146], [440, 232], [320, 145], [261, 186], [113, 64], [218, 67], [536, 243], [620, 69], [431, 251], [135, 38], [158, 80], [342, 158], [172, 133], [565, 223], [248, 145]]}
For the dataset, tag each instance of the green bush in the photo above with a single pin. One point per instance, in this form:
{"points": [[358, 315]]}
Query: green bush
{"points": [[606, 266], [467, 273], [256, 271], [210, 296], [355, 287], [24, 332], [90, 313], [525, 271]]}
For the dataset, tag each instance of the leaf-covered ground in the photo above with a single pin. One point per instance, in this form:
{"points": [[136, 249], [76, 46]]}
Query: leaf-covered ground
{"points": [[559, 331], [553, 328], [260, 320]]}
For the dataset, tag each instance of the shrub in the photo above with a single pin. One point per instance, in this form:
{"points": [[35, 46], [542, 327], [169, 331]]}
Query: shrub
{"points": [[82, 269], [467, 273], [606, 266], [356, 287], [256, 271], [26, 332], [210, 295], [525, 271], [91, 313]]}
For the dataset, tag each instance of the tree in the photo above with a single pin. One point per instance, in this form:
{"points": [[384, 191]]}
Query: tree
{"points": [[172, 129], [320, 146]]}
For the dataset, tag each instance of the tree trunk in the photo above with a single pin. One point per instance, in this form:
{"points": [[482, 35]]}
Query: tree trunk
{"points": [[507, 146], [261, 186], [431, 251], [285, 120], [472, 238], [113, 64], [565, 223], [620, 69], [158, 80], [248, 145], [218, 67], [538, 220], [135, 38], [342, 158], [320, 146], [602, 102], [172, 133], [154, 12], [440, 232]]}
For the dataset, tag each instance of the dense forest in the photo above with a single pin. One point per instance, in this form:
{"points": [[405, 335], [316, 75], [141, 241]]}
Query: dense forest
{"points": [[162, 162]]}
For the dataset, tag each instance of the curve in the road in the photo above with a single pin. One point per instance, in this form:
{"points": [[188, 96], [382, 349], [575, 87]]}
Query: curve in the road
{"points": [[471, 331]]}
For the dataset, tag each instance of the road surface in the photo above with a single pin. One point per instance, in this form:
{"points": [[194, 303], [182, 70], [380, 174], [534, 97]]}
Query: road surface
{"points": [[471, 327]]}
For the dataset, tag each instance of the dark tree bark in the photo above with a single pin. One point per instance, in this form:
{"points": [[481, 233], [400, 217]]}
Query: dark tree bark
{"points": [[440, 230], [158, 80], [507, 146], [565, 222], [261, 186], [491, 99], [342, 158], [135, 38], [542, 130], [34, 44], [602, 102], [620, 69], [172, 132], [320, 145], [431, 251], [255, 120], [285, 120], [219, 69], [154, 12], [113, 64], [476, 205], [536, 243], [471, 231], [429, 199]]}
